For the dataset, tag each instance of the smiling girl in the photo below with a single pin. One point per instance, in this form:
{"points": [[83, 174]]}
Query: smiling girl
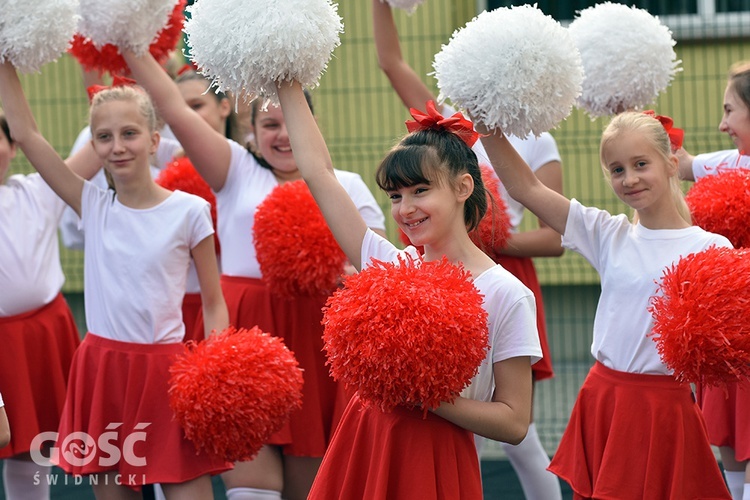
{"points": [[635, 432]]}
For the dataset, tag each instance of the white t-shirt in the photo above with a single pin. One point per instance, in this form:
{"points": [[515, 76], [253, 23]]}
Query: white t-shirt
{"points": [[1, 401], [30, 271], [630, 259], [718, 161], [247, 185], [136, 264], [509, 304]]}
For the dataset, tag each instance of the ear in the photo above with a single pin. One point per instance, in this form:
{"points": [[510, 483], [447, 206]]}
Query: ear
{"points": [[673, 166], [13, 150], [225, 108], [464, 187], [155, 138]]}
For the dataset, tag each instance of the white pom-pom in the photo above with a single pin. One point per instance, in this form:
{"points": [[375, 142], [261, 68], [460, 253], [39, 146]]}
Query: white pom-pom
{"points": [[31, 35], [628, 58], [245, 47], [131, 24], [512, 68], [408, 5]]}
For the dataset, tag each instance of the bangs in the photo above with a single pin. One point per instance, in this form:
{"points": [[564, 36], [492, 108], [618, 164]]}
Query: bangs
{"points": [[407, 166]]}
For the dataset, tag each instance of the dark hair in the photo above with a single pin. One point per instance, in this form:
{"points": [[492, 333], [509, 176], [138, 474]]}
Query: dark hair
{"points": [[6, 128], [739, 80], [430, 157], [254, 108], [231, 127]]}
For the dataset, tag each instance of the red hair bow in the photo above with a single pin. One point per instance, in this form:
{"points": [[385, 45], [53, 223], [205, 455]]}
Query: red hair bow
{"points": [[117, 81], [455, 124], [676, 135]]}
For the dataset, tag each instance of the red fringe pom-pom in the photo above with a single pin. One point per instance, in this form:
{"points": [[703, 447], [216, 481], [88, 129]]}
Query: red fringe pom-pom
{"points": [[702, 316], [721, 204], [181, 175], [232, 391], [493, 231], [410, 333], [107, 58], [297, 253]]}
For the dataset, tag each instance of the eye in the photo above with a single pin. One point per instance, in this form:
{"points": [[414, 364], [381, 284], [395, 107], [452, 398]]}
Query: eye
{"points": [[616, 170], [641, 163], [394, 197], [101, 137]]}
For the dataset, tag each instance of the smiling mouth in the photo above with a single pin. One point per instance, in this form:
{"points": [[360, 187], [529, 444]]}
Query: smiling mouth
{"points": [[414, 224]]}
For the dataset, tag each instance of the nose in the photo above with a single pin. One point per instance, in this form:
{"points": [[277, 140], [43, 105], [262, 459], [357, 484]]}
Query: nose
{"points": [[723, 125], [118, 145], [630, 178], [405, 207]]}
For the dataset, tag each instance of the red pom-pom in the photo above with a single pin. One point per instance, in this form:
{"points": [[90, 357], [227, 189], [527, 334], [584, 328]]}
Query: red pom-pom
{"points": [[181, 175], [297, 253], [410, 333], [232, 391], [493, 231], [107, 58], [702, 316], [721, 204]]}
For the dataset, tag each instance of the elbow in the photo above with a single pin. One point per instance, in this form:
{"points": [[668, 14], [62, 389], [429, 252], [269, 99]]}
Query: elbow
{"points": [[4, 439], [557, 251], [517, 433]]}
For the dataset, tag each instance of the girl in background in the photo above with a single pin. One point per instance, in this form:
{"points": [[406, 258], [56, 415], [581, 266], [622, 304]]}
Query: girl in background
{"points": [[726, 411], [634, 432], [139, 241], [241, 180], [529, 459]]}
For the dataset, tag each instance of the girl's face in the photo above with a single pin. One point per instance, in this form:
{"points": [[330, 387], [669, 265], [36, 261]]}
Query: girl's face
{"points": [[736, 119], [272, 143], [213, 111], [7, 153], [639, 175], [122, 139], [428, 213]]}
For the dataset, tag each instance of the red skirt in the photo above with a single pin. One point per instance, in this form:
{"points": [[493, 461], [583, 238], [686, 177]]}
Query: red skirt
{"points": [[523, 269], [398, 455], [191, 308], [37, 350], [118, 397], [727, 416], [640, 437], [298, 323]]}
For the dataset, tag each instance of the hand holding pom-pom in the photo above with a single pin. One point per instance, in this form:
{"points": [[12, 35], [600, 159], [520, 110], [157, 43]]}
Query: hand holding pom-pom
{"points": [[628, 58], [107, 57], [32, 35], [511, 68], [296, 250], [181, 174], [387, 333], [721, 204], [232, 391], [702, 317], [247, 47]]}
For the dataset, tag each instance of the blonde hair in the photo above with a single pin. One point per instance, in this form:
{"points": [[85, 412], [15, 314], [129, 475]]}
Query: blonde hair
{"points": [[138, 97], [653, 131], [739, 80]]}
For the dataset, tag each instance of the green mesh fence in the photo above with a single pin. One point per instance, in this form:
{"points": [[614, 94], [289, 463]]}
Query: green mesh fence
{"points": [[361, 118]]}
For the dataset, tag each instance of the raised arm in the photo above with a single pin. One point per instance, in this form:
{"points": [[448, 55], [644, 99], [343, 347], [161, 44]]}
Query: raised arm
{"points": [[543, 241], [314, 163], [685, 168], [404, 80], [206, 148], [67, 184], [550, 206]]}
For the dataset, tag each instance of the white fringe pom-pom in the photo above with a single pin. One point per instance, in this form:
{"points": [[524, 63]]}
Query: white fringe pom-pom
{"points": [[131, 24], [245, 47], [512, 68], [408, 5], [31, 35], [628, 58]]}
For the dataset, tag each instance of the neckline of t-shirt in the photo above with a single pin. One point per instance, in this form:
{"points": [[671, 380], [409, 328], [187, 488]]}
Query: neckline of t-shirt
{"points": [[644, 232], [149, 209]]}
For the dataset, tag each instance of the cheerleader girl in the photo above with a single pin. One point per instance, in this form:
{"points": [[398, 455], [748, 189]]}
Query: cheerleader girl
{"points": [[529, 459], [609, 450], [241, 181], [433, 180], [37, 328], [726, 411], [139, 241]]}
